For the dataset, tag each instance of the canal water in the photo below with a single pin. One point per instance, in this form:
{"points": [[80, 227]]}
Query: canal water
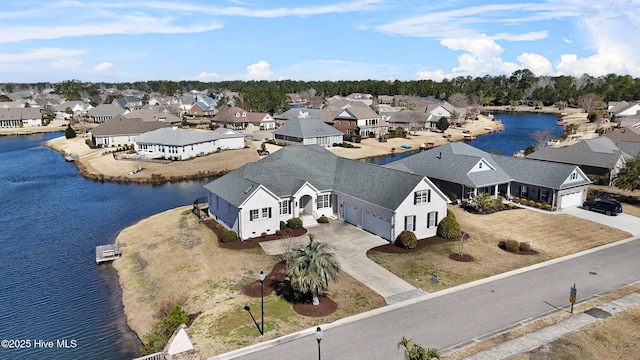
{"points": [[517, 135], [55, 302]]}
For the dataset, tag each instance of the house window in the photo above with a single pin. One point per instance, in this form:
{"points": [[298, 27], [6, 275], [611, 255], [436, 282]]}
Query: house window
{"points": [[422, 197], [410, 223], [544, 195], [266, 213], [323, 201], [480, 165], [284, 207], [253, 214], [524, 191], [432, 219], [574, 175]]}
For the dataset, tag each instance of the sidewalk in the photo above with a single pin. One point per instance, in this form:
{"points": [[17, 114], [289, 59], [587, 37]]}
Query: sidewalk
{"points": [[550, 333]]}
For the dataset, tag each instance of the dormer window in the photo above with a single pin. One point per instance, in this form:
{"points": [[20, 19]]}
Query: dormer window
{"points": [[237, 114], [480, 166], [244, 114]]}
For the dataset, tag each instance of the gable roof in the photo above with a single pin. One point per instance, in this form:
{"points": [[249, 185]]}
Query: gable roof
{"points": [[286, 170], [541, 173], [454, 162], [306, 128], [121, 125], [152, 115], [106, 110], [599, 152], [20, 113], [299, 113]]}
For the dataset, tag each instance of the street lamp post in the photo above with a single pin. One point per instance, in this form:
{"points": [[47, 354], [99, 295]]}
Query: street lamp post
{"points": [[319, 337], [261, 277]]}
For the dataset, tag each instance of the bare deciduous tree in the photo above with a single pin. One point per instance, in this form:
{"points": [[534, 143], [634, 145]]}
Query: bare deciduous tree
{"points": [[590, 102], [542, 136], [458, 100]]}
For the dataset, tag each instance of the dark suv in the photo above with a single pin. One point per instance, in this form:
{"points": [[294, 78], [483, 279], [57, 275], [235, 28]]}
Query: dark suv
{"points": [[609, 207]]}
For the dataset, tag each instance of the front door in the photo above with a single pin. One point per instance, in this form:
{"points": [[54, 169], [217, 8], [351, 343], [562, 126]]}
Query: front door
{"points": [[306, 203]]}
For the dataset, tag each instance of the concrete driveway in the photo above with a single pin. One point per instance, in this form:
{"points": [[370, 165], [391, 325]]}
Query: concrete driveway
{"points": [[625, 222], [350, 245]]}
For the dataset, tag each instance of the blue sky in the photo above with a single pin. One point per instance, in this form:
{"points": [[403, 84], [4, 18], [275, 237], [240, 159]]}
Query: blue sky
{"points": [[126, 41]]}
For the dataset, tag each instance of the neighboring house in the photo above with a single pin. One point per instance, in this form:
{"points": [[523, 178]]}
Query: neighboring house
{"points": [[310, 181], [461, 169], [104, 112], [623, 109], [598, 157], [307, 132], [239, 119], [406, 120], [298, 113], [78, 108], [446, 110], [182, 144], [359, 120], [152, 115], [11, 104], [385, 100], [128, 102], [122, 130], [19, 117]]}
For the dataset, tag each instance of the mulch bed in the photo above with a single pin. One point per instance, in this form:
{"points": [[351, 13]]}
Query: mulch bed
{"points": [[254, 242], [463, 258], [277, 281], [422, 244]]}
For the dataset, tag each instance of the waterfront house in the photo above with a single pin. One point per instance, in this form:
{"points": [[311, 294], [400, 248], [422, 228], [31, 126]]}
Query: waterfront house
{"points": [[461, 169], [307, 132], [122, 130], [151, 115], [359, 120], [182, 144], [298, 113], [20, 117], [310, 181]]}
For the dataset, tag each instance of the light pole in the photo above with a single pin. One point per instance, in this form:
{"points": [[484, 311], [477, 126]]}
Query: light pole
{"points": [[319, 338], [261, 277]]}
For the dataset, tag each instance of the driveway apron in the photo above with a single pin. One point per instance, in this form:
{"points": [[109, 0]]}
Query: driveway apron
{"points": [[350, 245]]}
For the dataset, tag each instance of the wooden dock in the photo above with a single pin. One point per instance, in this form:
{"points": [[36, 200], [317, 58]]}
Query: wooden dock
{"points": [[108, 252]]}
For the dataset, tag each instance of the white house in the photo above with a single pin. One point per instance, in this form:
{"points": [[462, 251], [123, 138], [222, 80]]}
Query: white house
{"points": [[182, 144], [310, 181], [17, 117], [307, 132]]}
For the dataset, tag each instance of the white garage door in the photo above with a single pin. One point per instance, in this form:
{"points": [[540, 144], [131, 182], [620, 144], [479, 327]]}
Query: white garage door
{"points": [[376, 225], [568, 200], [350, 215]]}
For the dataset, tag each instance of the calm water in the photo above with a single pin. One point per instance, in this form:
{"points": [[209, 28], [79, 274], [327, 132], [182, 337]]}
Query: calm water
{"points": [[517, 135], [51, 219]]}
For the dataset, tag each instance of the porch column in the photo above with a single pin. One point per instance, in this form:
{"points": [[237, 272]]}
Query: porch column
{"points": [[508, 194], [495, 191]]}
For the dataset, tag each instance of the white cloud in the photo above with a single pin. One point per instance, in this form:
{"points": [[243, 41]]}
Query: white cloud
{"points": [[103, 66], [538, 64], [437, 75], [66, 63], [259, 71], [40, 54], [205, 76]]}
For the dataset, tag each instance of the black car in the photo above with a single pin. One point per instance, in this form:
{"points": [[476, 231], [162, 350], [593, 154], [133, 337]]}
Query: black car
{"points": [[609, 207]]}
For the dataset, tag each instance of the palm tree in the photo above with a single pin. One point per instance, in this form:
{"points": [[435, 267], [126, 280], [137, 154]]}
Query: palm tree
{"points": [[483, 201], [310, 267], [415, 351]]}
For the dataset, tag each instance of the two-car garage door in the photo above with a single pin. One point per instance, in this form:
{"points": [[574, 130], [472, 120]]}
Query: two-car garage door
{"points": [[370, 222]]}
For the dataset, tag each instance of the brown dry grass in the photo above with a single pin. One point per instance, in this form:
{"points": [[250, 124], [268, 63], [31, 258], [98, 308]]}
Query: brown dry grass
{"points": [[170, 258], [552, 235]]}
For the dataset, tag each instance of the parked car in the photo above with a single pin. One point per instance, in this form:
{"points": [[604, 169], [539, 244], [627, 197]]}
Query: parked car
{"points": [[609, 207]]}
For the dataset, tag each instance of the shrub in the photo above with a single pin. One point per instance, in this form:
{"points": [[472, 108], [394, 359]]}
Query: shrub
{"points": [[407, 239], [294, 223], [500, 199], [323, 220], [523, 201], [69, 132], [512, 245], [219, 226], [454, 198], [516, 199], [532, 202], [90, 144], [278, 232], [161, 332], [539, 205], [449, 227], [547, 207], [263, 235], [229, 236], [283, 225], [524, 246]]}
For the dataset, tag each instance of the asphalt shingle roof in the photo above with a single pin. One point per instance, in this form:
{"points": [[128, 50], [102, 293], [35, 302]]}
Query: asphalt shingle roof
{"points": [[177, 137], [599, 152], [306, 128]]}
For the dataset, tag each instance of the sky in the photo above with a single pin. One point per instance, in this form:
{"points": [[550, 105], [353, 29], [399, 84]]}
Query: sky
{"points": [[133, 40]]}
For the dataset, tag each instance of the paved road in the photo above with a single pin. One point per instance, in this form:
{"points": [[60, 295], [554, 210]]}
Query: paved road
{"points": [[455, 317]]}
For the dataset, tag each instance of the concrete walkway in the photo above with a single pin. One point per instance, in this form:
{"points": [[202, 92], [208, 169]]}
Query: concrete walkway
{"points": [[553, 332], [350, 245]]}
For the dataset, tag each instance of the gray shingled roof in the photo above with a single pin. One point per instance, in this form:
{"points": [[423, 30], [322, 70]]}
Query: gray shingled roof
{"points": [[284, 171], [599, 152], [299, 113], [106, 110], [539, 173], [452, 162], [120, 125], [176, 137], [306, 128], [20, 113]]}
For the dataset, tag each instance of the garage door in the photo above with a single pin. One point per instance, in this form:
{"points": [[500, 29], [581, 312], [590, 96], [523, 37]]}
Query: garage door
{"points": [[350, 215], [568, 200], [376, 225]]}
